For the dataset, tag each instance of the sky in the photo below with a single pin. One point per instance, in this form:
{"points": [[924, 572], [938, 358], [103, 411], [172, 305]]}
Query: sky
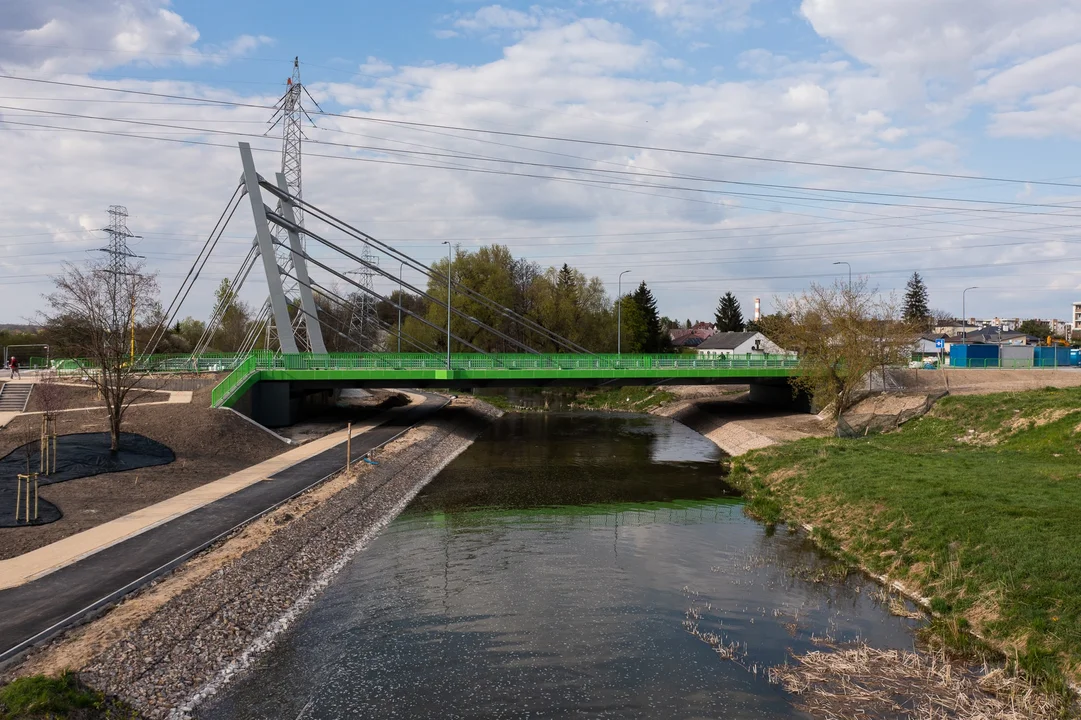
{"points": [[703, 145]]}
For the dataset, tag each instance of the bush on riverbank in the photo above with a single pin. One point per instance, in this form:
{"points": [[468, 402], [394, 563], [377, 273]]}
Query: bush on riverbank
{"points": [[58, 698], [976, 506]]}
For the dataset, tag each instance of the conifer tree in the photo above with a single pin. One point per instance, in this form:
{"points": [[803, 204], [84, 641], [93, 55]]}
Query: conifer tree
{"points": [[916, 309], [729, 316], [655, 339]]}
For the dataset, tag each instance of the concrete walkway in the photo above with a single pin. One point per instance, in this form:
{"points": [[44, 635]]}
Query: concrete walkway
{"points": [[36, 563], [51, 588], [176, 397]]}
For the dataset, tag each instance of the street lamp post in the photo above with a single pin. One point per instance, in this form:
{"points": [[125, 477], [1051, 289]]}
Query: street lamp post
{"points": [[964, 315], [450, 264], [401, 266], [619, 314], [842, 262]]}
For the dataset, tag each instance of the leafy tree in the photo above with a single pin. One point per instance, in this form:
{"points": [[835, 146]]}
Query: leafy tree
{"points": [[764, 325], [729, 316], [233, 327], [842, 334], [1037, 328], [688, 325], [915, 308], [635, 335]]}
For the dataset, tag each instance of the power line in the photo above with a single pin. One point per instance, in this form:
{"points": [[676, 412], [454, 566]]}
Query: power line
{"points": [[556, 138], [615, 184]]}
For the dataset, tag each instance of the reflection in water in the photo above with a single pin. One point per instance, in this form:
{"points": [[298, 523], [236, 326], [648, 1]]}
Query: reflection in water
{"points": [[549, 571]]}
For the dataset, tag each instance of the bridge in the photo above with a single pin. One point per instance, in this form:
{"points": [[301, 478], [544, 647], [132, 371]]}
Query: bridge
{"points": [[265, 385], [271, 385]]}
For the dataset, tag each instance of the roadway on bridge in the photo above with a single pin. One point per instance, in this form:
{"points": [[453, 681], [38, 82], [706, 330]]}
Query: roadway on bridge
{"points": [[41, 608]]}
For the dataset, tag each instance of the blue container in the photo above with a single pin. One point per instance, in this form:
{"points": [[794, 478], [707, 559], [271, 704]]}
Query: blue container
{"points": [[974, 356], [1075, 356], [1051, 357]]}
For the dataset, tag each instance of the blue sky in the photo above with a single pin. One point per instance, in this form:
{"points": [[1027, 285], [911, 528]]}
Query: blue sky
{"points": [[927, 85]]}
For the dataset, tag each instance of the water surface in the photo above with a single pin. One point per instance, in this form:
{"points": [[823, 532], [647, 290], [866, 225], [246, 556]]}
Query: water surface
{"points": [[554, 570]]}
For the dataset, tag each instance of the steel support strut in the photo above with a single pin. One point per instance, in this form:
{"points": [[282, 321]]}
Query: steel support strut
{"points": [[278, 304], [307, 300]]}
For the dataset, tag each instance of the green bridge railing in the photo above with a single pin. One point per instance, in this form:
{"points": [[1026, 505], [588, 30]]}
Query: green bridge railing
{"points": [[479, 366]]}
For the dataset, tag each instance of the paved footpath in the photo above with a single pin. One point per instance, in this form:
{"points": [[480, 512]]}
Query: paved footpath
{"points": [[49, 589]]}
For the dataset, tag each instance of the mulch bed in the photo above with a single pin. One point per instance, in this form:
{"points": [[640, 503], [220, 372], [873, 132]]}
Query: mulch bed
{"points": [[77, 456], [209, 444]]}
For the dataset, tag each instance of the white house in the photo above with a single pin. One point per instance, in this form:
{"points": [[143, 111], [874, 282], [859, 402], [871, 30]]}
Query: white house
{"points": [[738, 343]]}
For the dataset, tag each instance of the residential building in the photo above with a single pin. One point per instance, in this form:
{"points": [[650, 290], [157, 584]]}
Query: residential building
{"points": [[723, 344], [1076, 315]]}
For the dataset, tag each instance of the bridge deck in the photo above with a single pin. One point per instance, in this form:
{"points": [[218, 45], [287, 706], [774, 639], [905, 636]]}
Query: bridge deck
{"points": [[402, 370]]}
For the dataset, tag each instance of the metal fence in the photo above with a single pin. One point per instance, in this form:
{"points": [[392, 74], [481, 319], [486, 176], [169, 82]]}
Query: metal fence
{"points": [[550, 364]]}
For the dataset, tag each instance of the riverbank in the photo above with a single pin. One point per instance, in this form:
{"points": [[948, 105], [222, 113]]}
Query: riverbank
{"points": [[972, 507], [177, 641]]}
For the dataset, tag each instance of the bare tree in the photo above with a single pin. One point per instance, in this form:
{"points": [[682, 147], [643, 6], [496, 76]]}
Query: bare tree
{"points": [[93, 313], [842, 333]]}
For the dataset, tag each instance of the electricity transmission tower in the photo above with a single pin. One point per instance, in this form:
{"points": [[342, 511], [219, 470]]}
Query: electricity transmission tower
{"points": [[363, 319], [289, 114], [118, 271]]}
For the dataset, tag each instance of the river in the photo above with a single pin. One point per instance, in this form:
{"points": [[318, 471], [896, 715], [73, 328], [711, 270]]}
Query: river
{"points": [[557, 569]]}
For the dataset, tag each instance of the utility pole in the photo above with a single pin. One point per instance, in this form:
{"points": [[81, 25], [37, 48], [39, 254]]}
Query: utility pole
{"points": [[619, 314], [363, 325], [119, 253], [450, 265], [842, 262], [290, 114], [401, 266], [964, 318]]}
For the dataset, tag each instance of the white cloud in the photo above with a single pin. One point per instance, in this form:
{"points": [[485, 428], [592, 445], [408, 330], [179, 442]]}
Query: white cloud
{"points": [[584, 78], [375, 66], [698, 15], [497, 17], [941, 46], [60, 36]]}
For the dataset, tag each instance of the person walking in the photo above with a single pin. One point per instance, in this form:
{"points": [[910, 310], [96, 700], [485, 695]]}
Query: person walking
{"points": [[14, 365]]}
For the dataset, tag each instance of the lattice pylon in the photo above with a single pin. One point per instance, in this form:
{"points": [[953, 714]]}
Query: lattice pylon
{"points": [[363, 319]]}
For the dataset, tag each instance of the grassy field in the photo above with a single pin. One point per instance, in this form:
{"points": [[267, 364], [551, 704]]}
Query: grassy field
{"points": [[977, 506]]}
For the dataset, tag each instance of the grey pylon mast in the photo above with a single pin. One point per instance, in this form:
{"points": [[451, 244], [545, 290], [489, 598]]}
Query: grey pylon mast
{"points": [[304, 327]]}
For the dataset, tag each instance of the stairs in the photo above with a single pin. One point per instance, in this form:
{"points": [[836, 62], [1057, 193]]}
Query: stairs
{"points": [[14, 396]]}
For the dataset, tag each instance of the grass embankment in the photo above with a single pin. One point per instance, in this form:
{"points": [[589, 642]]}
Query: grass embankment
{"points": [[625, 399], [976, 506], [58, 698]]}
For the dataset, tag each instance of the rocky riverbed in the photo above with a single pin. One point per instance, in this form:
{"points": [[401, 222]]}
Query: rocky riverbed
{"points": [[206, 627]]}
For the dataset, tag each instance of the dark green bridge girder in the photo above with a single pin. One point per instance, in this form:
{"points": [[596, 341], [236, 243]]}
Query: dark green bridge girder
{"points": [[468, 370]]}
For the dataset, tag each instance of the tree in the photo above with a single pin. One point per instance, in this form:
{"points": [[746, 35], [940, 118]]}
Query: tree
{"points": [[236, 316], [767, 321], [916, 309], [729, 316], [656, 338], [635, 336], [1036, 328], [842, 334], [92, 316]]}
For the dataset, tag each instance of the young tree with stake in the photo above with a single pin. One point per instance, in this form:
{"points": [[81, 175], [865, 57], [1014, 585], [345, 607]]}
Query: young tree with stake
{"points": [[92, 315]]}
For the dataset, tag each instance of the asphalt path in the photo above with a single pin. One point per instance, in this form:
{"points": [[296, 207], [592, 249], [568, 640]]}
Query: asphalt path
{"points": [[38, 610]]}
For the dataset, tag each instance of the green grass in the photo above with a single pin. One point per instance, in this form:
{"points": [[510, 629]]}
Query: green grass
{"points": [[976, 505], [57, 698]]}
